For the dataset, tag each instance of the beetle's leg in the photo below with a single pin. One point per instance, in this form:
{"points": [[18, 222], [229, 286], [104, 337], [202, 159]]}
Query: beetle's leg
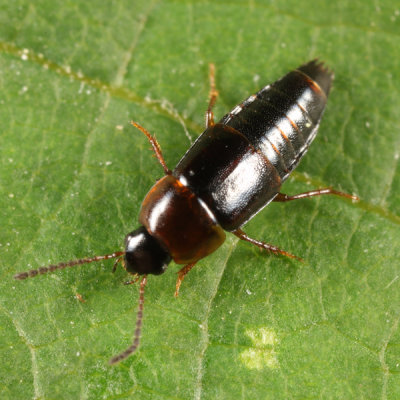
{"points": [[181, 275], [117, 261], [284, 197], [154, 144], [133, 281], [213, 98], [262, 245]]}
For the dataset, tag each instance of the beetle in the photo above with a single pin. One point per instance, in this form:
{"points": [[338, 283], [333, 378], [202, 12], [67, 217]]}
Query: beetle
{"points": [[233, 170]]}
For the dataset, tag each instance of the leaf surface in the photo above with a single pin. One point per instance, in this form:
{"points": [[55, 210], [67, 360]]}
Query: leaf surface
{"points": [[74, 172]]}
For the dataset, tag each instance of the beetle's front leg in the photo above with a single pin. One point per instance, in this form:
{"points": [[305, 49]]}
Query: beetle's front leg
{"points": [[181, 275]]}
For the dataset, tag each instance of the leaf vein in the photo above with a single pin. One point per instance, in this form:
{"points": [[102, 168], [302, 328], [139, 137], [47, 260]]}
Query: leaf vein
{"points": [[204, 342]]}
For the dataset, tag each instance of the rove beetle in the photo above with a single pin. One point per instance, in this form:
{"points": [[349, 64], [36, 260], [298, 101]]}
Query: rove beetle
{"points": [[233, 170]]}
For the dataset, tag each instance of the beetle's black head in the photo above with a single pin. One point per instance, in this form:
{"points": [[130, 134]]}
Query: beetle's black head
{"points": [[144, 254]]}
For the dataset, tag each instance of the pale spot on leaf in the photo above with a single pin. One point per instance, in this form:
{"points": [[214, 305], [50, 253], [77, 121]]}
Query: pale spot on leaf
{"points": [[262, 355]]}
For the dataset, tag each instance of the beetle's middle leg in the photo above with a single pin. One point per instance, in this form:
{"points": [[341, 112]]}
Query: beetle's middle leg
{"points": [[262, 245], [156, 147], [213, 98], [281, 197], [181, 275]]}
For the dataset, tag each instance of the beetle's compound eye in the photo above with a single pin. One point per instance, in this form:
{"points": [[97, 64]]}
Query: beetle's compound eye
{"points": [[145, 254]]}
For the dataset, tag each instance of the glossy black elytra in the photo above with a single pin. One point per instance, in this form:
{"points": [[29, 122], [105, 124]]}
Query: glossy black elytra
{"points": [[233, 170]]}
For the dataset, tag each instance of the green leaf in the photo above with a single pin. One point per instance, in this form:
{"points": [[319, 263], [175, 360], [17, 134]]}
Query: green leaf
{"points": [[74, 172]]}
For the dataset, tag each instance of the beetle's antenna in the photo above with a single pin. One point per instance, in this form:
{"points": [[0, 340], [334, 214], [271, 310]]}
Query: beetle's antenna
{"points": [[53, 267], [139, 320]]}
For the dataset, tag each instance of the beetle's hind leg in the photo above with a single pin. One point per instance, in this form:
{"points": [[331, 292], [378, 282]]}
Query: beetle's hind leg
{"points": [[212, 96], [264, 246], [181, 275], [156, 147], [281, 197]]}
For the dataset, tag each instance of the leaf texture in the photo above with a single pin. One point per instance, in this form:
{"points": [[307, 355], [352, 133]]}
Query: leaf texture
{"points": [[74, 172]]}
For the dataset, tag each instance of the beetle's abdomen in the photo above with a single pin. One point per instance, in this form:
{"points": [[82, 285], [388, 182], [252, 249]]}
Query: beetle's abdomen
{"points": [[238, 165], [282, 119], [233, 178]]}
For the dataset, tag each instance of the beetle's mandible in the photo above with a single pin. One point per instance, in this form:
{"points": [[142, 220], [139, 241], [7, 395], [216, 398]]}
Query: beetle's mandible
{"points": [[234, 169]]}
